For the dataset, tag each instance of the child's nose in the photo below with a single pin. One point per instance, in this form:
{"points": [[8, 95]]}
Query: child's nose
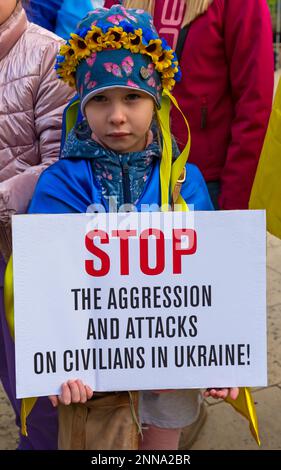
{"points": [[117, 115]]}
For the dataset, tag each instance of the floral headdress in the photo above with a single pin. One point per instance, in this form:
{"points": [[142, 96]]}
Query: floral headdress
{"points": [[120, 47], [138, 52]]}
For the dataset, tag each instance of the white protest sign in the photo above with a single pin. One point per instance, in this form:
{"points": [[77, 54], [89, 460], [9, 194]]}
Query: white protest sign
{"points": [[140, 301]]}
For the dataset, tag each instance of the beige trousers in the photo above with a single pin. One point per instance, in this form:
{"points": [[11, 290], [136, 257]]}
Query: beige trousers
{"points": [[107, 422]]}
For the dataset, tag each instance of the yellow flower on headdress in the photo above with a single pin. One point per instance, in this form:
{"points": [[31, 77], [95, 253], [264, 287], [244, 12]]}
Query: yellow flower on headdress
{"points": [[164, 60], [114, 37], [64, 49], [80, 47], [169, 72], [168, 83], [153, 49], [94, 39], [67, 75], [69, 54], [134, 41]]}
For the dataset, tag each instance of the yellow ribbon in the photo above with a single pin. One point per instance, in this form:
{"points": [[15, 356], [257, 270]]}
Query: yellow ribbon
{"points": [[27, 403], [163, 115], [245, 405], [180, 162], [9, 297], [170, 173]]}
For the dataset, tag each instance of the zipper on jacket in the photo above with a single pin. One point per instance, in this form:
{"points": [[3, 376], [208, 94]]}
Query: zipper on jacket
{"points": [[126, 183], [204, 113]]}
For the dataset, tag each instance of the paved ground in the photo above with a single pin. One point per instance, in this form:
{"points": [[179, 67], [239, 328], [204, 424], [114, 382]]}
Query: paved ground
{"points": [[8, 432]]}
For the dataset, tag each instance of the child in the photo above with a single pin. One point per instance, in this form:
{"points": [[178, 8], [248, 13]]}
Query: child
{"points": [[120, 67]]}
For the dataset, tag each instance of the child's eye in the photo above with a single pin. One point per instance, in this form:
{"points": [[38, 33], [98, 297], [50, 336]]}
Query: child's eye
{"points": [[133, 96], [99, 98]]}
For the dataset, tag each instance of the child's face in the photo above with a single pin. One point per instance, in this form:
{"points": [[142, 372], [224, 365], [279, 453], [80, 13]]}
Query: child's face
{"points": [[120, 118]]}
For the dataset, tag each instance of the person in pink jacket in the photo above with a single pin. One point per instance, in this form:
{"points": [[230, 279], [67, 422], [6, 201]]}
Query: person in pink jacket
{"points": [[226, 57], [31, 105], [227, 86]]}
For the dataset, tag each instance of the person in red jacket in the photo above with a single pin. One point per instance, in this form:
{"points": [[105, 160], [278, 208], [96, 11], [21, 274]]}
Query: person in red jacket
{"points": [[227, 86], [226, 57]]}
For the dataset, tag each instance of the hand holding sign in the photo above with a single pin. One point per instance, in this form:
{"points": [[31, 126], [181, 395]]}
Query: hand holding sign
{"points": [[222, 393], [72, 391]]}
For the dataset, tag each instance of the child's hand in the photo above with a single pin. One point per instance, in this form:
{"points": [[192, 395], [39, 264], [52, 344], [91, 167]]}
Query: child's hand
{"points": [[72, 391], [222, 392]]}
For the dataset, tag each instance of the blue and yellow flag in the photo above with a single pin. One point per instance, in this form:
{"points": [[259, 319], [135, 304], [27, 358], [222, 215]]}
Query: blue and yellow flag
{"points": [[266, 190]]}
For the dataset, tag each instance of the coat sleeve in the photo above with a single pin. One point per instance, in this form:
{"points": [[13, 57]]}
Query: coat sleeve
{"points": [[65, 187], [194, 190], [249, 52], [50, 98]]}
